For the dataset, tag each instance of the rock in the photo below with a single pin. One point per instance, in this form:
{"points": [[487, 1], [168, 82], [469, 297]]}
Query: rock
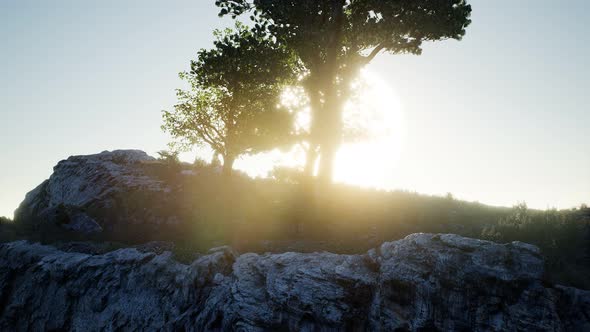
{"points": [[82, 247], [72, 218], [157, 247], [107, 193], [575, 305], [424, 282]]}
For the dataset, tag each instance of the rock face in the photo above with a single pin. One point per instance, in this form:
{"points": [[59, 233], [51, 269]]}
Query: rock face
{"points": [[106, 193], [424, 282]]}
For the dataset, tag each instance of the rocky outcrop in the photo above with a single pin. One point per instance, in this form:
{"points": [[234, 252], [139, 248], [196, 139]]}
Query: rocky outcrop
{"points": [[110, 192], [424, 282]]}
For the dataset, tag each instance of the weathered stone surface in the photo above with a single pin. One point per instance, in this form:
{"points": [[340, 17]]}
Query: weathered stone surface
{"points": [[157, 247], [424, 282], [109, 192]]}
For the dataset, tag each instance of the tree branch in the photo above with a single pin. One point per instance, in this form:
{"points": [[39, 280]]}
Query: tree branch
{"points": [[375, 51]]}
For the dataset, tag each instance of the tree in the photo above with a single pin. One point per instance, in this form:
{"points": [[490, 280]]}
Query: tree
{"points": [[233, 103], [334, 39]]}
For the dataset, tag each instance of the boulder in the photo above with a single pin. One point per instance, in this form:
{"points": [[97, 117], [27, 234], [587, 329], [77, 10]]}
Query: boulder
{"points": [[424, 282], [111, 193]]}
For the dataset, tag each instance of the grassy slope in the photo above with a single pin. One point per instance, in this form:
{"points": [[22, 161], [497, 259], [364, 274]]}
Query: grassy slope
{"points": [[267, 215]]}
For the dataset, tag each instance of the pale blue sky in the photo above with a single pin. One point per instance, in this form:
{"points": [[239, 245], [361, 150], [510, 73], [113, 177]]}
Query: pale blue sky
{"points": [[500, 117]]}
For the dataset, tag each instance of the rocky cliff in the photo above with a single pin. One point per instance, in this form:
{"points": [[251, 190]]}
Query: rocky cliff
{"points": [[424, 282], [109, 193]]}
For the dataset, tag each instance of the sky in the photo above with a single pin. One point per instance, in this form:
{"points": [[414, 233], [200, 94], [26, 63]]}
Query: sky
{"points": [[499, 117]]}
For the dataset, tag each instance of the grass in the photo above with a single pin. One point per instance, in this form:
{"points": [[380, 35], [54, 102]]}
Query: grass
{"points": [[269, 215]]}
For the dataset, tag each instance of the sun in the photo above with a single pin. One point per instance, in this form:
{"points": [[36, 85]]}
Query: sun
{"points": [[371, 160]]}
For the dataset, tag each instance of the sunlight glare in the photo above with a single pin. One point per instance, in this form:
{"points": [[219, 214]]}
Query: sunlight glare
{"points": [[371, 161]]}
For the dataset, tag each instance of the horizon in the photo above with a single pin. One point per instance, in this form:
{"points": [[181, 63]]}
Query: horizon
{"points": [[497, 118]]}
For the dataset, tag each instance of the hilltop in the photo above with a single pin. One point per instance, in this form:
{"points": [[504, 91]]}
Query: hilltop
{"points": [[126, 197]]}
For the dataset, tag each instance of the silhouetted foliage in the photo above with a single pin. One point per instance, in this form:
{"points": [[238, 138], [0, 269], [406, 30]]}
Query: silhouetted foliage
{"points": [[8, 231], [233, 104], [287, 174], [170, 157], [563, 236], [333, 39], [5, 220]]}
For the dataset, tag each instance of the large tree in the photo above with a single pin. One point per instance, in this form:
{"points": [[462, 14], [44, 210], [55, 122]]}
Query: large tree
{"points": [[233, 103], [335, 38]]}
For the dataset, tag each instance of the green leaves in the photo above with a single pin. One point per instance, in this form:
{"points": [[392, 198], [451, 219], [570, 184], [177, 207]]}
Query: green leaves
{"points": [[235, 87], [396, 26]]}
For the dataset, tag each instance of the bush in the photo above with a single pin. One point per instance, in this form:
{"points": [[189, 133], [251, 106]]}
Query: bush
{"points": [[286, 174], [168, 157], [5, 220], [8, 230]]}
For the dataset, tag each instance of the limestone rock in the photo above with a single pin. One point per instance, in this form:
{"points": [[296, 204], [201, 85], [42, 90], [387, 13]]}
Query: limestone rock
{"points": [[109, 192], [424, 282], [157, 247]]}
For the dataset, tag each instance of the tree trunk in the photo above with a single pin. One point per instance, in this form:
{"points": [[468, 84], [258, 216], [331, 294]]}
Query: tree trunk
{"points": [[228, 164], [310, 160], [329, 121], [312, 89], [326, 169], [215, 158]]}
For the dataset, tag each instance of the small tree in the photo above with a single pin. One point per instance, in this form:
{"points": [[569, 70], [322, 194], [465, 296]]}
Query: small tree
{"points": [[233, 104]]}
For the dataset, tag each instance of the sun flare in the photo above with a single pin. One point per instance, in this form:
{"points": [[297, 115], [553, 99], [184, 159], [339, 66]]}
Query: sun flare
{"points": [[370, 161]]}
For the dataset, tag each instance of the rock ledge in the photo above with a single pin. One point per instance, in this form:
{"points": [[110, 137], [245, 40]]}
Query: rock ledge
{"points": [[425, 282], [104, 193]]}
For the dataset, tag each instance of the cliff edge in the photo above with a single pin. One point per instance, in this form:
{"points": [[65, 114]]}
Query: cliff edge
{"points": [[424, 282]]}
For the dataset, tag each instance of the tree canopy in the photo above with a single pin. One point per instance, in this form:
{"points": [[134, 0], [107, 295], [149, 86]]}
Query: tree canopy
{"points": [[233, 103], [333, 39]]}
